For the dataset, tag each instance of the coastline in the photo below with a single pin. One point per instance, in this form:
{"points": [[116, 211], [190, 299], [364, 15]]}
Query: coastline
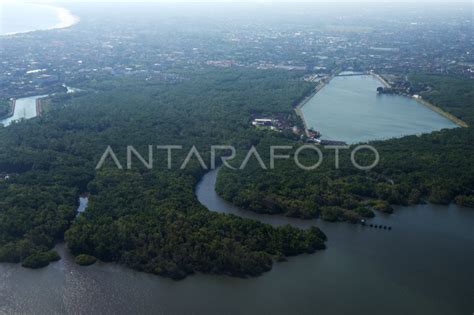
{"points": [[65, 19]]}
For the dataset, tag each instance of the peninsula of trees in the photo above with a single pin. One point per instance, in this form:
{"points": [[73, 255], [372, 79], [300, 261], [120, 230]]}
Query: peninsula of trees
{"points": [[149, 220], [434, 167]]}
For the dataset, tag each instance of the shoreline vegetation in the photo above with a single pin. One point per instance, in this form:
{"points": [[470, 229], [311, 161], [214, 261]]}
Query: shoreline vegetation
{"points": [[414, 169], [426, 103], [108, 230], [11, 113], [65, 19], [302, 103], [39, 106], [138, 218], [11, 110], [386, 84], [443, 113]]}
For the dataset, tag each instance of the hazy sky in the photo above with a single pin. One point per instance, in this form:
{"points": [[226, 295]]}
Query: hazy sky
{"points": [[239, 1]]}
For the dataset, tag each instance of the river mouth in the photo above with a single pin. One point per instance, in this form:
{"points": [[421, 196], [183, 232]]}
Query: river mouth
{"points": [[427, 243], [422, 266]]}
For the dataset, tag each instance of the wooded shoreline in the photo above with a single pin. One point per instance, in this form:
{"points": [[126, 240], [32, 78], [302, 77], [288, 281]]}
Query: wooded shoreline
{"points": [[316, 89], [443, 113], [426, 103], [11, 112]]}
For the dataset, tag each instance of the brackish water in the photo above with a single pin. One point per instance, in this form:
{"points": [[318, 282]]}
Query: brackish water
{"points": [[349, 109], [422, 266]]}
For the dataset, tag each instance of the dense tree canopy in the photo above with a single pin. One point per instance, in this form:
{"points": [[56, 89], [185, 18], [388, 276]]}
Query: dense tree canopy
{"points": [[434, 167], [453, 94], [147, 219], [4, 107], [150, 220]]}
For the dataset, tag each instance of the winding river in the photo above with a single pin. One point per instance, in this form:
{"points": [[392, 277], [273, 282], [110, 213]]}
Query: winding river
{"points": [[422, 266]]}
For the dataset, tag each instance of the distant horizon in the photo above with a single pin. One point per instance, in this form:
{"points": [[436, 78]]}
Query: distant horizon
{"points": [[243, 1]]}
